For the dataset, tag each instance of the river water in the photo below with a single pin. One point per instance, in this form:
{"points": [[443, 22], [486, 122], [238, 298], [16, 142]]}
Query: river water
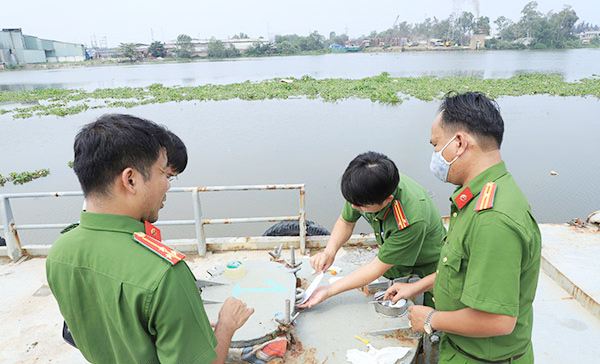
{"points": [[309, 141]]}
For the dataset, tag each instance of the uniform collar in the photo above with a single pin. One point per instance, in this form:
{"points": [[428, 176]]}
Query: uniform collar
{"points": [[463, 194], [117, 223]]}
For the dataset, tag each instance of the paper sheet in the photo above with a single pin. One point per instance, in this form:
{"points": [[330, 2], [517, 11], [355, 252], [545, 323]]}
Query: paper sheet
{"points": [[387, 355], [311, 288]]}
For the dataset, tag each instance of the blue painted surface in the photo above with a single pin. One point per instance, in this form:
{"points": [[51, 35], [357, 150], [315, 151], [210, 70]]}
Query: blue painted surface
{"points": [[273, 289]]}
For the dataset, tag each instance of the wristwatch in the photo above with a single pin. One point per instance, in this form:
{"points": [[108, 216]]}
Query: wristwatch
{"points": [[427, 325]]}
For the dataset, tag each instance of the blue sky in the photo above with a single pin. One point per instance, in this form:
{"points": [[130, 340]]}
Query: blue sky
{"points": [[144, 20]]}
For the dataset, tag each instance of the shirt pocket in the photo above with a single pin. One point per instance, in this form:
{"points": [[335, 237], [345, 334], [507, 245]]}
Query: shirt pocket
{"points": [[454, 278]]}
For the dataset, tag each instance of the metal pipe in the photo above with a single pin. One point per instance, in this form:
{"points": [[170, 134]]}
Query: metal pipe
{"points": [[39, 226], [174, 222], [288, 314], [250, 187], [249, 219], [302, 221], [13, 245], [198, 223], [14, 249], [42, 194]]}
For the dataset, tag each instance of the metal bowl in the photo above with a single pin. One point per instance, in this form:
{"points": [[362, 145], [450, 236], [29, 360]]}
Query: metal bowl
{"points": [[387, 309]]}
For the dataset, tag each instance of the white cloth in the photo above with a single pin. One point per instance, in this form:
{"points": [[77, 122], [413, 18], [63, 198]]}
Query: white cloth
{"points": [[388, 355], [311, 288]]}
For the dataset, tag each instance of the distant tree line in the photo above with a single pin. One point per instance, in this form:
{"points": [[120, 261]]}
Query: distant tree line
{"points": [[289, 44], [537, 30], [532, 30], [456, 29]]}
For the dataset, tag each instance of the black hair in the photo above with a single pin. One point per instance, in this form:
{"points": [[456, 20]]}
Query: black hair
{"points": [[369, 179], [105, 147], [475, 113], [176, 153]]}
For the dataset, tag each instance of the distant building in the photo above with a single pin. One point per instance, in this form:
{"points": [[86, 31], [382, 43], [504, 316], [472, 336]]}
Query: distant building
{"points": [[18, 48], [201, 45], [478, 41], [586, 37]]}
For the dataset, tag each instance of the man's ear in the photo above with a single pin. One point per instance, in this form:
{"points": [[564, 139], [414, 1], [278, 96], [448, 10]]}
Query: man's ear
{"points": [[463, 142], [128, 180], [389, 199]]}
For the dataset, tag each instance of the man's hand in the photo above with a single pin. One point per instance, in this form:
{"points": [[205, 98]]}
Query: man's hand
{"points": [[319, 295], [322, 261], [234, 314], [417, 316], [399, 291]]}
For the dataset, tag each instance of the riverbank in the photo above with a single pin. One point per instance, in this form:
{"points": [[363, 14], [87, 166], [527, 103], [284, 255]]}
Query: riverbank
{"points": [[174, 60]]}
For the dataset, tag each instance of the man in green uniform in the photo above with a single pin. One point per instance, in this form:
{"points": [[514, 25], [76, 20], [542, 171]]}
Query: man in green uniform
{"points": [[125, 296], [489, 265], [407, 226]]}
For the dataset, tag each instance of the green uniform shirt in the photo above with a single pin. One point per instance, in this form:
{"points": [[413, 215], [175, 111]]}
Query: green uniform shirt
{"points": [[490, 261], [122, 302], [414, 249]]}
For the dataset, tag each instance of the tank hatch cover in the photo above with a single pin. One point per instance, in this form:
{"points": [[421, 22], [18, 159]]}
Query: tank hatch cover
{"points": [[265, 286]]}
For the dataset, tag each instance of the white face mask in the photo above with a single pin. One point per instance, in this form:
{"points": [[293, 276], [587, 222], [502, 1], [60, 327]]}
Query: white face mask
{"points": [[439, 166]]}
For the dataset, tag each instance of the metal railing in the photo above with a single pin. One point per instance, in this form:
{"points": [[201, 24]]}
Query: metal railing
{"points": [[14, 249]]}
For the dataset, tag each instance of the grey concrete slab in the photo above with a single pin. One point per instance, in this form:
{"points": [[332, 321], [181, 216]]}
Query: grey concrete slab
{"points": [[571, 256], [327, 331], [563, 331]]}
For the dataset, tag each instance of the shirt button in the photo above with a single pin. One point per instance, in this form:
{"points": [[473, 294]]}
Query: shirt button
{"points": [[437, 271], [445, 259], [454, 214]]}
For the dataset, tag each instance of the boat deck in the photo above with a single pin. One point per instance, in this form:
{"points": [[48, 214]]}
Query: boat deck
{"points": [[566, 322]]}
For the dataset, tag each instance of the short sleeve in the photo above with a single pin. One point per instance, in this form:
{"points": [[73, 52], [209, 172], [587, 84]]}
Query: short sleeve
{"points": [[402, 247], [178, 321], [350, 214], [494, 267]]}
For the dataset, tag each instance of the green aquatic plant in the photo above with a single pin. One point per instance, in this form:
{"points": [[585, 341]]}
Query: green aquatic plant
{"points": [[19, 178], [381, 88]]}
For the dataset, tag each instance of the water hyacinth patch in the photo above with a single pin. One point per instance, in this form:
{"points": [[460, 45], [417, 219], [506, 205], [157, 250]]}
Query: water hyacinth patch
{"points": [[381, 88]]}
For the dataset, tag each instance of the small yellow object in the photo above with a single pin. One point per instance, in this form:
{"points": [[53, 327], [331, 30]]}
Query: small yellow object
{"points": [[361, 339], [333, 272]]}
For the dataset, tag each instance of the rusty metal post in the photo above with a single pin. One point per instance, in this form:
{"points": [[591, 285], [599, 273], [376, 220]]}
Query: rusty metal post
{"points": [[13, 245], [302, 221], [200, 235], [288, 312]]}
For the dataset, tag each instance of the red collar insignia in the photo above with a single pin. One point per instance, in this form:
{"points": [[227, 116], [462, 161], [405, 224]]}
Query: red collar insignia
{"points": [[463, 198], [152, 230]]}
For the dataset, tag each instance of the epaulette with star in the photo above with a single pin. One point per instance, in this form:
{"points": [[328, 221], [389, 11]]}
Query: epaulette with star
{"points": [[151, 240], [169, 254], [399, 214], [486, 197]]}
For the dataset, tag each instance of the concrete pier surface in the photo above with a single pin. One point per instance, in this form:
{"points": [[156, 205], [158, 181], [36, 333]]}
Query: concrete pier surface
{"points": [[566, 323]]}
